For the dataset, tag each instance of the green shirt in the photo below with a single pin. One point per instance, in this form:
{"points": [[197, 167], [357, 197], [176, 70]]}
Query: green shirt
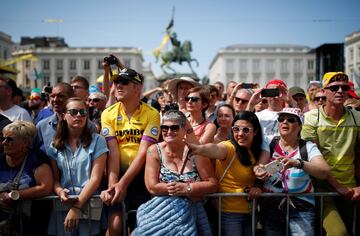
{"points": [[336, 140]]}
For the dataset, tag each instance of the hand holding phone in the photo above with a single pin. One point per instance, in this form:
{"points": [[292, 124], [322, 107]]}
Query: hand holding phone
{"points": [[274, 167], [270, 92]]}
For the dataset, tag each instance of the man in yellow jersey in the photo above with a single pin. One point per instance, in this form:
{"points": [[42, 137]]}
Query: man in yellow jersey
{"points": [[335, 130], [130, 127]]}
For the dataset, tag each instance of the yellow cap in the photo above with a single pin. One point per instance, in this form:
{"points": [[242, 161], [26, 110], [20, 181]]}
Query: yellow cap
{"points": [[334, 76]]}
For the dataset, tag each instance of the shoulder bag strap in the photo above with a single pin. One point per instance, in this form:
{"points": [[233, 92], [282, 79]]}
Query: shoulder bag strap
{"points": [[227, 168], [18, 175]]}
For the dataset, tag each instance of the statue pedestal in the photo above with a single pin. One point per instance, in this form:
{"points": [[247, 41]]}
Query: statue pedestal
{"points": [[164, 77]]}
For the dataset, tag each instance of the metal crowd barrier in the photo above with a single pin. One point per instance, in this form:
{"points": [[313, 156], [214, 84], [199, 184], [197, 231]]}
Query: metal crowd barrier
{"points": [[219, 196], [254, 221]]}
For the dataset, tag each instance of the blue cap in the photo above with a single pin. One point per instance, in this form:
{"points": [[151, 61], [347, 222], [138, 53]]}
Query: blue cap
{"points": [[94, 89]]}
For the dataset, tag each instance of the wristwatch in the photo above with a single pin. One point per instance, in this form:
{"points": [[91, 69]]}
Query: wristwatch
{"points": [[14, 195], [188, 188]]}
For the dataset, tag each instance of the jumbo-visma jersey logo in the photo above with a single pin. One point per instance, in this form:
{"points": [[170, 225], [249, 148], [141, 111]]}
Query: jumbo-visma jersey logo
{"points": [[130, 135]]}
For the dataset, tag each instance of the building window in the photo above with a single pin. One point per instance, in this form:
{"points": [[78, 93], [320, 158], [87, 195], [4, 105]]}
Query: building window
{"points": [[72, 64], [86, 64], [243, 66], [298, 66], [230, 66], [256, 78], [229, 77], [46, 64], [46, 80], [351, 54], [310, 64], [284, 66], [127, 63], [59, 79], [27, 64], [100, 66], [270, 66], [59, 64], [256, 66], [6, 53]]}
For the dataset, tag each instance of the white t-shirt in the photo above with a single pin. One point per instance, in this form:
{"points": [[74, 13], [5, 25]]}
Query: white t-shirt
{"points": [[17, 113], [269, 123]]}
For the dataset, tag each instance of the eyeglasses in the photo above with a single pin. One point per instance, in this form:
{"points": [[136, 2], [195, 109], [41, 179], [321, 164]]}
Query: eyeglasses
{"points": [[335, 88], [173, 128], [34, 98], [74, 112], [121, 81], [355, 108], [237, 129], [94, 100], [192, 99], [9, 140], [320, 98], [289, 119], [243, 101]]}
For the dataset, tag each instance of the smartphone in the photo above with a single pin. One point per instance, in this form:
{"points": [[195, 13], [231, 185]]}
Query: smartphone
{"points": [[247, 85], [274, 167], [73, 197], [270, 92]]}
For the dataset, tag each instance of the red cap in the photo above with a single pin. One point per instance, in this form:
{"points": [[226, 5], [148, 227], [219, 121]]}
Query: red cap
{"points": [[351, 91], [276, 82]]}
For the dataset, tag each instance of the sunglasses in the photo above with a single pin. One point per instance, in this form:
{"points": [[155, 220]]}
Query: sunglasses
{"points": [[355, 108], [243, 101], [335, 88], [192, 99], [173, 128], [34, 98], [121, 81], [94, 100], [320, 98], [237, 129], [7, 139], [74, 112], [289, 119]]}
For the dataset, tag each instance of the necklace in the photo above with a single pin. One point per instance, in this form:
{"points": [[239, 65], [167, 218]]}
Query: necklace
{"points": [[199, 123], [286, 150]]}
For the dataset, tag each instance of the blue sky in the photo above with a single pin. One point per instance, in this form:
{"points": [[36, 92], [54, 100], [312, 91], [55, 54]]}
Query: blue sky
{"points": [[210, 25]]}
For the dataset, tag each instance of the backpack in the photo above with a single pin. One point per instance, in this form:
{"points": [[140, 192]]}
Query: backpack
{"points": [[302, 146]]}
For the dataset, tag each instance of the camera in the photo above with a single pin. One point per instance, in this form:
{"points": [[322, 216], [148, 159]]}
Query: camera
{"points": [[111, 60]]}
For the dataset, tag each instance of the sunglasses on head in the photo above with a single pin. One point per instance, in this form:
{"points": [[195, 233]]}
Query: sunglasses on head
{"points": [[192, 99], [173, 128], [243, 101], [289, 119], [7, 139], [34, 98], [335, 88], [75, 112], [320, 98], [355, 108], [94, 99], [237, 129], [121, 81]]}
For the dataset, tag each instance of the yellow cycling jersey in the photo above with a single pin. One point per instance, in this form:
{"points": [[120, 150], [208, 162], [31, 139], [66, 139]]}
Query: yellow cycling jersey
{"points": [[143, 125]]}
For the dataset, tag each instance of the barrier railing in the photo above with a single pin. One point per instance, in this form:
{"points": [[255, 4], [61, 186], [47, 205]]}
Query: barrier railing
{"points": [[320, 195], [219, 196]]}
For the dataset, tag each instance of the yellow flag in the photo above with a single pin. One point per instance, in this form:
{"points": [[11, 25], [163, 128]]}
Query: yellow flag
{"points": [[158, 50]]}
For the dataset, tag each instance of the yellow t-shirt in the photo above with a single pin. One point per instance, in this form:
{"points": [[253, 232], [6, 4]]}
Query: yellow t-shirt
{"points": [[236, 179], [143, 125]]}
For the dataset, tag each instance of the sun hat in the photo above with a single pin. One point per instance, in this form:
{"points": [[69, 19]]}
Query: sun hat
{"points": [[173, 84], [296, 90], [279, 82]]}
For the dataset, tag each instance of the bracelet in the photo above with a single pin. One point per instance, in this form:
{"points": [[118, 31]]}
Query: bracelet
{"points": [[301, 163]]}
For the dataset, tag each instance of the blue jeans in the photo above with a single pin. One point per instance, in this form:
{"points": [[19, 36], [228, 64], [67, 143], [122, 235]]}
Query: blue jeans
{"points": [[235, 224], [300, 223]]}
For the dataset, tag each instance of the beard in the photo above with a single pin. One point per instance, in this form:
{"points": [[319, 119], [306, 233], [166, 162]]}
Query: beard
{"points": [[34, 106]]}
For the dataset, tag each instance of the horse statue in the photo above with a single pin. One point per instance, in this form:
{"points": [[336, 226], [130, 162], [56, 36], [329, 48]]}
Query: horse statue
{"points": [[177, 55]]}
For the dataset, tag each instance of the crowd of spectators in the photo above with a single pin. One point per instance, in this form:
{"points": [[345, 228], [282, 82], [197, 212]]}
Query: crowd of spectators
{"points": [[167, 148]]}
